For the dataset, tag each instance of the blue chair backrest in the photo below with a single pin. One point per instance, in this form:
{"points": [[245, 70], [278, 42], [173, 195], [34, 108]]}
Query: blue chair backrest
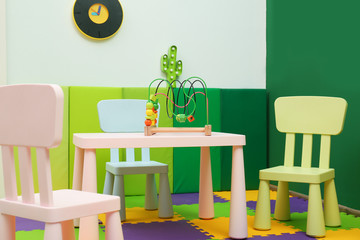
{"points": [[124, 115]]}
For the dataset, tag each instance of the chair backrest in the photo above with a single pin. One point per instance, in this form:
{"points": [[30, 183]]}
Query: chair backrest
{"points": [[124, 115], [309, 115], [31, 116]]}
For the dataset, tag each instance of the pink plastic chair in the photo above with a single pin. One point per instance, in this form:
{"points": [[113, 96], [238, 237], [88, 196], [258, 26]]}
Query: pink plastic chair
{"points": [[31, 116]]}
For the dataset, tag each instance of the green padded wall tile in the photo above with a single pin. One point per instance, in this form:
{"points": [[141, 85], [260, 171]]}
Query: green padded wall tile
{"points": [[187, 160], [243, 111], [83, 117]]}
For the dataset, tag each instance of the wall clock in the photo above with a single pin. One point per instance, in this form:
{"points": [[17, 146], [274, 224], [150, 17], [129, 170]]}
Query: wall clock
{"points": [[99, 19]]}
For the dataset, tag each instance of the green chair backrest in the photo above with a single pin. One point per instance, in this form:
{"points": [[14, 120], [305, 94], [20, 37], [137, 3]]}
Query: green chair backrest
{"points": [[309, 115]]}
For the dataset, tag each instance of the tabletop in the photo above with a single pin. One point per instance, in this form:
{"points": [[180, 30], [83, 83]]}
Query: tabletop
{"points": [[139, 140]]}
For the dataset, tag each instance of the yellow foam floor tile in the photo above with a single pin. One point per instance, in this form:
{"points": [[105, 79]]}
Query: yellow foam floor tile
{"points": [[251, 195], [137, 215], [219, 227], [277, 228], [352, 234], [224, 195]]}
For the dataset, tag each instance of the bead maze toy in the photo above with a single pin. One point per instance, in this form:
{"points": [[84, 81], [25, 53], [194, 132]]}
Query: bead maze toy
{"points": [[185, 93]]}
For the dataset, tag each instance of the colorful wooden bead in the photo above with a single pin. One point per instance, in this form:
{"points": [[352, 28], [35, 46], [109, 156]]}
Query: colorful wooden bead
{"points": [[191, 118], [148, 122], [181, 118]]}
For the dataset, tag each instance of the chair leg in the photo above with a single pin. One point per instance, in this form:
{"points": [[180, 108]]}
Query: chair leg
{"points": [[113, 228], [89, 228], [165, 202], [262, 219], [109, 183], [282, 205], [315, 219], [151, 200], [119, 190], [68, 232], [331, 206], [53, 231], [7, 227]]}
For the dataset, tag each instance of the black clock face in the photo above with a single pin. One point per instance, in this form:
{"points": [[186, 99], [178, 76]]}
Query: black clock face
{"points": [[99, 19]]}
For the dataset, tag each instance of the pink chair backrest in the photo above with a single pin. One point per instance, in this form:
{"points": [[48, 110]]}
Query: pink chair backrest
{"points": [[31, 115]]}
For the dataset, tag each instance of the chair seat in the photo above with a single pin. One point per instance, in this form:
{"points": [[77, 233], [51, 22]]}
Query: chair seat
{"points": [[137, 167], [297, 174], [68, 204]]}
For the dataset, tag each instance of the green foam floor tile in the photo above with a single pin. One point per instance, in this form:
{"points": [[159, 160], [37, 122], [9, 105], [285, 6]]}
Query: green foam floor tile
{"points": [[189, 212], [30, 235], [222, 209], [347, 222], [250, 212]]}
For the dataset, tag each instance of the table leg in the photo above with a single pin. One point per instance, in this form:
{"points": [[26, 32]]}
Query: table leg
{"points": [[89, 181], [89, 227], [78, 173], [206, 197], [78, 168], [238, 216]]}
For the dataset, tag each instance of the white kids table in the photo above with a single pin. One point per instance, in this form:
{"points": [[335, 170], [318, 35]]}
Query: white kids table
{"points": [[85, 169]]}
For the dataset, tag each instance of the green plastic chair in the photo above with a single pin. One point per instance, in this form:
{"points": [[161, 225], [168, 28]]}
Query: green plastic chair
{"points": [[307, 115]]}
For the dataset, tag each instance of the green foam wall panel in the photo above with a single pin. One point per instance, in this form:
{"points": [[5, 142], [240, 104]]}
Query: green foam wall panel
{"points": [[187, 160], [317, 55], [243, 111]]}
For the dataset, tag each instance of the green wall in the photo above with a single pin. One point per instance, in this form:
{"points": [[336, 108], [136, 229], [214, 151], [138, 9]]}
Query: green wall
{"points": [[313, 49], [244, 112]]}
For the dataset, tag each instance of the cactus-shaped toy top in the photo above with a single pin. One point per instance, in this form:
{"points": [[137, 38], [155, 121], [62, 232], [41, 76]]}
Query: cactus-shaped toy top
{"points": [[170, 66]]}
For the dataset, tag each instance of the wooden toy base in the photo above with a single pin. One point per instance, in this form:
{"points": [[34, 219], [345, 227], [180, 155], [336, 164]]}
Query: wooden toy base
{"points": [[149, 130]]}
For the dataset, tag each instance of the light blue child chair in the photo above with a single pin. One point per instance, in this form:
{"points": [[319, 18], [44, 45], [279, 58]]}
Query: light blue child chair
{"points": [[128, 115]]}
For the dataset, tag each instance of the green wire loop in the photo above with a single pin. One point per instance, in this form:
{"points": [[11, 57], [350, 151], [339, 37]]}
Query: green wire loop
{"points": [[171, 92]]}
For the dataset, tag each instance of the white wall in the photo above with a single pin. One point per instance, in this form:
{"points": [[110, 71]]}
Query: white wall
{"points": [[2, 71], [221, 41]]}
